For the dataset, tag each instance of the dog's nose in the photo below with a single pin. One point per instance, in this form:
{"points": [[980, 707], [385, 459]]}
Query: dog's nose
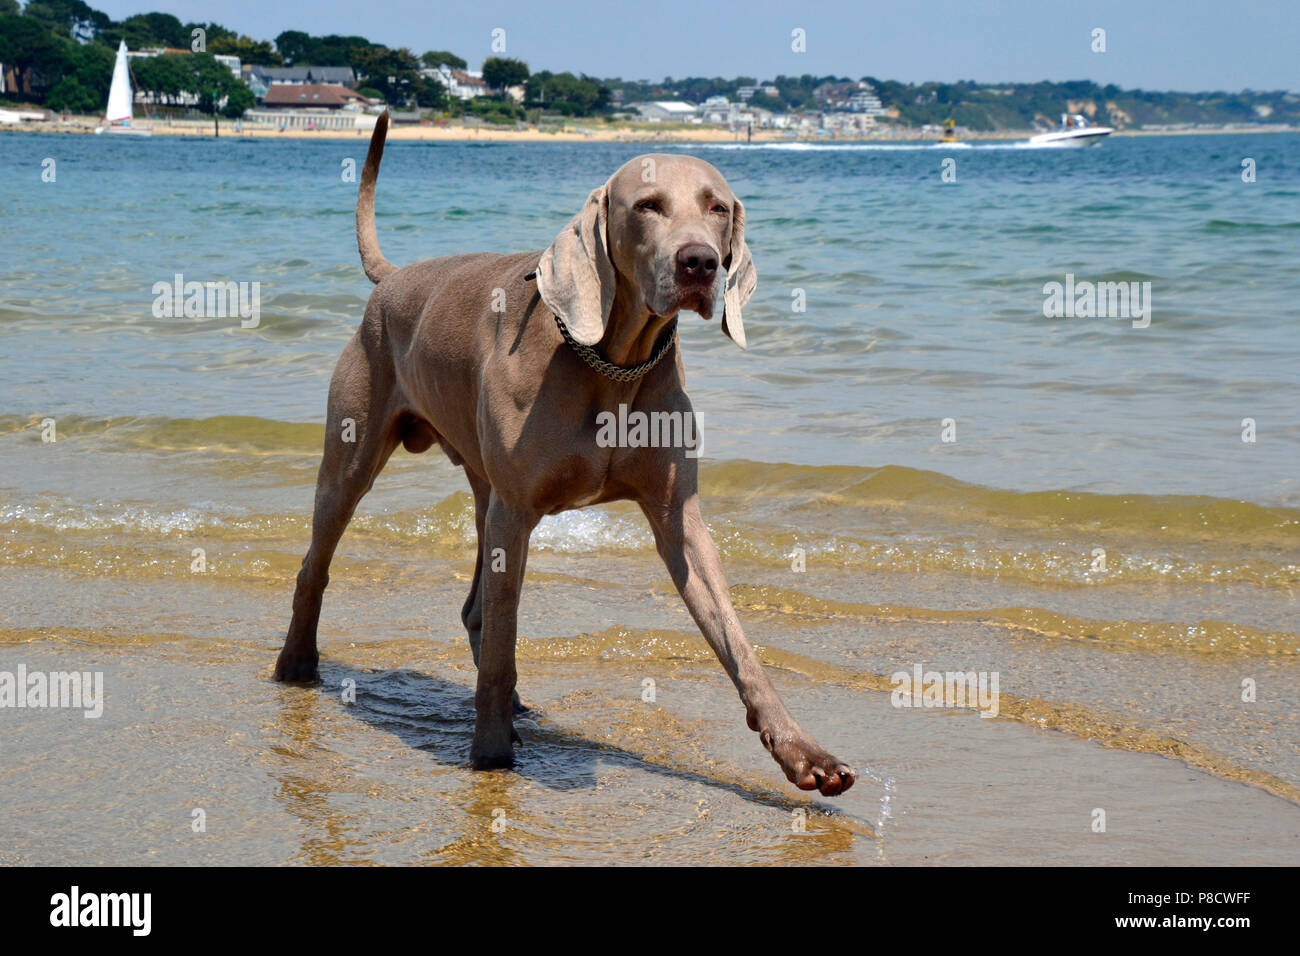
{"points": [[696, 262]]}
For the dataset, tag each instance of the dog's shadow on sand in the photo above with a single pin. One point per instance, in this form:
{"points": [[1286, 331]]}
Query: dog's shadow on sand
{"points": [[436, 716]]}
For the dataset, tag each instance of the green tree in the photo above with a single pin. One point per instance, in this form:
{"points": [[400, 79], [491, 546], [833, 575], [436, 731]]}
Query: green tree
{"points": [[566, 93], [213, 32], [293, 45], [498, 112], [62, 16], [37, 55], [436, 58], [395, 73], [83, 87], [762, 101], [246, 48], [70, 96], [153, 30], [431, 94], [502, 72], [302, 49], [199, 74]]}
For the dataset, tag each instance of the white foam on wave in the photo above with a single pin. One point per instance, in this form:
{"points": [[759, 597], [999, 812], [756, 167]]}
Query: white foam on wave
{"points": [[587, 530], [866, 147]]}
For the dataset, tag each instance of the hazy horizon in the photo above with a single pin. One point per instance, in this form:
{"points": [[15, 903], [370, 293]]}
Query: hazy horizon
{"points": [[1194, 46]]}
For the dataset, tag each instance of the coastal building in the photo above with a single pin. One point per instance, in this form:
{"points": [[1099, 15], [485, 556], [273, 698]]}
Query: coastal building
{"points": [[18, 117], [719, 111], [716, 110], [317, 96], [840, 121], [670, 111], [752, 116], [859, 97], [848, 107], [832, 95], [865, 100], [317, 106], [794, 122], [260, 78], [283, 119], [313, 106], [229, 61], [461, 84]]}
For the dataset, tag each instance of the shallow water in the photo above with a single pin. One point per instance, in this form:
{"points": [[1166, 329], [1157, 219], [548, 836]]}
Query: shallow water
{"points": [[1121, 678]]}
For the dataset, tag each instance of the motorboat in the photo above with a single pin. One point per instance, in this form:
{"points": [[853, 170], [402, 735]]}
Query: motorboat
{"points": [[1075, 130]]}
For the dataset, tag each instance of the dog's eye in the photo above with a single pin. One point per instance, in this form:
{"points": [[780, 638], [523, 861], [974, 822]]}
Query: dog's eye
{"points": [[720, 208], [649, 205]]}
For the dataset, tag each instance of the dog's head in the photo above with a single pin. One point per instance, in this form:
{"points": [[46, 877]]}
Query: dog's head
{"points": [[666, 230]]}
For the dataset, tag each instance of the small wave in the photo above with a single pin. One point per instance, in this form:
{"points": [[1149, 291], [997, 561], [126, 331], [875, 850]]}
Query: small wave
{"points": [[1202, 637], [1230, 225], [240, 434]]}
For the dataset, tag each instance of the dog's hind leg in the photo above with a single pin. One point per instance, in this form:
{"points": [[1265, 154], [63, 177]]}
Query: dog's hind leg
{"points": [[471, 615], [361, 431]]}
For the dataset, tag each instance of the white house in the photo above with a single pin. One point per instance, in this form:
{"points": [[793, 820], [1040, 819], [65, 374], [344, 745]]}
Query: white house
{"points": [[865, 100], [670, 111], [716, 109], [462, 84]]}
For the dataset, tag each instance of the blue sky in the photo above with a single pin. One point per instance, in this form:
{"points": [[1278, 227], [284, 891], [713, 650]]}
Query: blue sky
{"points": [[1193, 45]]}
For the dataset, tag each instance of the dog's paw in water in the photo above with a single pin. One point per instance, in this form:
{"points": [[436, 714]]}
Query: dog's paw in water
{"points": [[807, 766], [483, 756], [293, 667]]}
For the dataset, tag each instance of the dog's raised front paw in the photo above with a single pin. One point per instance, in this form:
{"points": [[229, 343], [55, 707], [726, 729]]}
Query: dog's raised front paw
{"points": [[808, 766]]}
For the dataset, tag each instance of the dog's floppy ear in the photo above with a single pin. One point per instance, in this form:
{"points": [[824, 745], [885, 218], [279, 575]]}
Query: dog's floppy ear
{"points": [[575, 275], [741, 278]]}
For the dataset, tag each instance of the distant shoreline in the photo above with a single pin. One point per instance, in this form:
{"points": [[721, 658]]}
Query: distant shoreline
{"points": [[573, 134]]}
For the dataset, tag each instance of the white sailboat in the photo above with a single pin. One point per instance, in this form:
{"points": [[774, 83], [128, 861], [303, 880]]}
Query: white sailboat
{"points": [[119, 116]]}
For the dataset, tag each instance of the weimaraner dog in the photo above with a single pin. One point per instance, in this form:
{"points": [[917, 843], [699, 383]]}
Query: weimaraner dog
{"points": [[505, 361]]}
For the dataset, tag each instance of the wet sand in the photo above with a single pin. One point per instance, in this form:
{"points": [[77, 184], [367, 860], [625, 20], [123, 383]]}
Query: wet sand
{"points": [[296, 775], [1136, 723]]}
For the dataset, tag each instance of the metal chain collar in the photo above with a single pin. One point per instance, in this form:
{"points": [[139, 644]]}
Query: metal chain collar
{"points": [[618, 373]]}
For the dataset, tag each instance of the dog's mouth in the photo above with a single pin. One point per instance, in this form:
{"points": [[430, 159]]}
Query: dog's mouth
{"points": [[699, 301], [673, 295]]}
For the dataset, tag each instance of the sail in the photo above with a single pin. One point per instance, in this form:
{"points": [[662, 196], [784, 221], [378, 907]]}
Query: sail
{"points": [[119, 93]]}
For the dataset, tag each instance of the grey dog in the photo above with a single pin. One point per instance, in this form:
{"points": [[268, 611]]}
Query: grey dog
{"points": [[505, 361]]}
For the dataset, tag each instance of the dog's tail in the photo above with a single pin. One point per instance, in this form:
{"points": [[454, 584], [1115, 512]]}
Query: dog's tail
{"points": [[372, 260]]}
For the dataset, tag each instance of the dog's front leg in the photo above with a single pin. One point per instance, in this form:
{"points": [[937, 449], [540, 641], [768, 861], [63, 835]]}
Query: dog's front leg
{"points": [[687, 548], [506, 530]]}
